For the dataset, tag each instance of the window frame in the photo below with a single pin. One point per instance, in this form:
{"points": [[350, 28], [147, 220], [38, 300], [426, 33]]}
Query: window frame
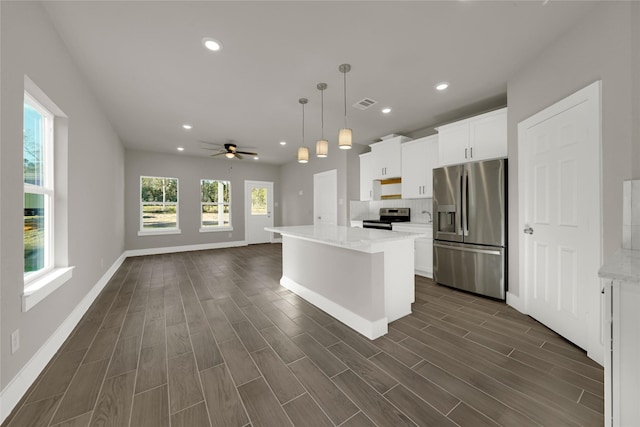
{"points": [[46, 188], [158, 231], [220, 204]]}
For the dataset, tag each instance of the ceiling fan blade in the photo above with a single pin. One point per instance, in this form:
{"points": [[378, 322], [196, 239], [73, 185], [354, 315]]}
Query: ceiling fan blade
{"points": [[247, 153], [218, 154], [212, 149], [238, 155], [215, 144]]}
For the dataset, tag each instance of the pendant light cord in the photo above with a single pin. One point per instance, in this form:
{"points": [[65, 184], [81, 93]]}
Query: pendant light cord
{"points": [[303, 125], [345, 99], [322, 113]]}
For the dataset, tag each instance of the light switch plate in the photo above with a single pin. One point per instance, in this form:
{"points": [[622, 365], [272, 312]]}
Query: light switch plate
{"points": [[15, 341]]}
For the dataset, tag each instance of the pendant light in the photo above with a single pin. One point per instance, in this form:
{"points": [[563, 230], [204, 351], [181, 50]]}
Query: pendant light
{"points": [[303, 152], [345, 135], [322, 145]]}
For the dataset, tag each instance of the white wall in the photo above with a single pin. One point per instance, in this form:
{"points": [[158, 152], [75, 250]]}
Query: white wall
{"points": [[296, 208], [190, 170], [30, 46], [598, 48]]}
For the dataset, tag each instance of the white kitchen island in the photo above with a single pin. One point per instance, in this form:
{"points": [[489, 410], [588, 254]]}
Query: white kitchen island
{"points": [[362, 277]]}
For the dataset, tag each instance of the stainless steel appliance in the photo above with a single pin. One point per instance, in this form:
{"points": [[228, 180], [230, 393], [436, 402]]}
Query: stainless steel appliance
{"points": [[470, 223], [387, 217]]}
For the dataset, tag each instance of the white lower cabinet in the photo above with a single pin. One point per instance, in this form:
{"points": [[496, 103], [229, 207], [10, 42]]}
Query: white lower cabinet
{"points": [[622, 353], [423, 262]]}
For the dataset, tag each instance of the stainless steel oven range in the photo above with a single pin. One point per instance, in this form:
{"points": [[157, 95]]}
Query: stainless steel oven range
{"points": [[387, 217]]}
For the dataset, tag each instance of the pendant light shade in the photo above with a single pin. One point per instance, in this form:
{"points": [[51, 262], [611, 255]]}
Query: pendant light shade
{"points": [[345, 136], [322, 145], [303, 152], [303, 155]]}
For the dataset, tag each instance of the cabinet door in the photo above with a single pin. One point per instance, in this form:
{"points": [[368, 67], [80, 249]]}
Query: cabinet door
{"points": [[424, 257], [414, 165], [366, 177], [488, 136], [453, 141], [433, 161], [387, 159]]}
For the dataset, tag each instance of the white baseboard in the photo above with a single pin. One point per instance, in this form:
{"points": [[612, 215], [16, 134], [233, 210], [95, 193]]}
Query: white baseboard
{"points": [[185, 248], [424, 273], [15, 390], [370, 329], [514, 301]]}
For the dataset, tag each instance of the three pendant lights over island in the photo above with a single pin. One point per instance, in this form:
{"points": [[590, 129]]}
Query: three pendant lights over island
{"points": [[345, 134]]}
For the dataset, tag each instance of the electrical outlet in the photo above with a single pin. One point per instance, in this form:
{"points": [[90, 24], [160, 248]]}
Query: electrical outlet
{"points": [[15, 341]]}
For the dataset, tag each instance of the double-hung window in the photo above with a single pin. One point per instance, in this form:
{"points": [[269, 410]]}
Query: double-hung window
{"points": [[215, 205], [158, 205], [38, 189]]}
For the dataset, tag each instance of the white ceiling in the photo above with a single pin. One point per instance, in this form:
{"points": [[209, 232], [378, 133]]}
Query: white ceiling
{"points": [[145, 62]]}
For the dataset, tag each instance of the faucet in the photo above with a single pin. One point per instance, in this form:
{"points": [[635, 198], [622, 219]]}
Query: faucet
{"points": [[430, 217]]}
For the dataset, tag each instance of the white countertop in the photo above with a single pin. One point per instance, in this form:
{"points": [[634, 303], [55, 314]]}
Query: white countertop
{"points": [[345, 237], [624, 265]]}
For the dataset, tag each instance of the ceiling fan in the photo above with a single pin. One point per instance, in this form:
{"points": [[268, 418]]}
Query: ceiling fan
{"points": [[230, 150]]}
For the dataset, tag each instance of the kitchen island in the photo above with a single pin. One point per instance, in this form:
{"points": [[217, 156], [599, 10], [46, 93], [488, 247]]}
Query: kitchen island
{"points": [[362, 277]]}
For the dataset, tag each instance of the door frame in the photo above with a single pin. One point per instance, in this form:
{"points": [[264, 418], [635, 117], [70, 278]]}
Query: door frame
{"points": [[247, 206], [593, 94], [334, 174]]}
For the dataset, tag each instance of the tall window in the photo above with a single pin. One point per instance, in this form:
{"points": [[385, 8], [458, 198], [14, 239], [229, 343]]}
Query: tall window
{"points": [[215, 203], [38, 188], [158, 205]]}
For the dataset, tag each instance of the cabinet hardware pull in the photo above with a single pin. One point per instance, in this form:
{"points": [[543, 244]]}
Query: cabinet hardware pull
{"points": [[471, 152], [465, 153]]}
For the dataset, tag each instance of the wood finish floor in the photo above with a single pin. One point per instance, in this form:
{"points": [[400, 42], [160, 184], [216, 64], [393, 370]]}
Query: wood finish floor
{"points": [[210, 338]]}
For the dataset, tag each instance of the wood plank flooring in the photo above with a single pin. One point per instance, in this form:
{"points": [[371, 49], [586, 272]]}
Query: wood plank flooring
{"points": [[210, 338]]}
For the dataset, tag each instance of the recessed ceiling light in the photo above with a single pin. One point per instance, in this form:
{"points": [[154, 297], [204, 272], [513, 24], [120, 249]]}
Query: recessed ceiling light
{"points": [[187, 126], [255, 157], [386, 110], [283, 142], [180, 148], [442, 86], [211, 44]]}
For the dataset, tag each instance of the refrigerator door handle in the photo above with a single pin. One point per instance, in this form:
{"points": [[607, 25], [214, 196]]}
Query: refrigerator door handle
{"points": [[461, 204], [467, 249], [465, 203]]}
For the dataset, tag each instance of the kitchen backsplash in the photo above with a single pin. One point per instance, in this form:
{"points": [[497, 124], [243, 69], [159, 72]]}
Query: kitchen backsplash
{"points": [[371, 210], [631, 214]]}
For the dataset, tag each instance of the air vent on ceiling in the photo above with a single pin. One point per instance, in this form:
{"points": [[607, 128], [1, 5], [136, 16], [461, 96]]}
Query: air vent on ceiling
{"points": [[365, 103]]}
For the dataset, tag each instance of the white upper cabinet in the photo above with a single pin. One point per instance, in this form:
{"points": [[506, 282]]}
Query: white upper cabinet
{"points": [[387, 158], [419, 157], [366, 176], [477, 138]]}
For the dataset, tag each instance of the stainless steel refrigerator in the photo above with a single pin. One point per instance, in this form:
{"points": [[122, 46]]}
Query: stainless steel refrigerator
{"points": [[469, 230]]}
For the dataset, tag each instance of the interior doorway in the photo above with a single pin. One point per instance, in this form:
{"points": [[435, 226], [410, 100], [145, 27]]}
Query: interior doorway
{"points": [[560, 217], [325, 198]]}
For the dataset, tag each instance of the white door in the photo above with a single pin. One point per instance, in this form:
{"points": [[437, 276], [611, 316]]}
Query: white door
{"points": [[258, 206], [559, 202], [325, 198]]}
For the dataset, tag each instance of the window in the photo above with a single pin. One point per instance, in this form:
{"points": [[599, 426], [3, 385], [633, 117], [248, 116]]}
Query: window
{"points": [[215, 205], [258, 201], [45, 223], [158, 205], [39, 193]]}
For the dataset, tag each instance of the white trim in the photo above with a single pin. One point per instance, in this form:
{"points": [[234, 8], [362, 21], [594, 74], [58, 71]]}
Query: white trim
{"points": [[39, 289], [215, 228], [18, 386], [185, 248], [424, 273], [160, 232], [516, 302], [370, 329]]}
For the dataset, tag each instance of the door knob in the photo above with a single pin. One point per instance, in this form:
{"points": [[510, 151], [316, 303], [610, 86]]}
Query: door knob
{"points": [[528, 230]]}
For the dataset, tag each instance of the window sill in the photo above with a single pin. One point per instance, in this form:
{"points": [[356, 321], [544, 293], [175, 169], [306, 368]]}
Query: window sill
{"points": [[214, 229], [39, 289], [159, 232]]}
